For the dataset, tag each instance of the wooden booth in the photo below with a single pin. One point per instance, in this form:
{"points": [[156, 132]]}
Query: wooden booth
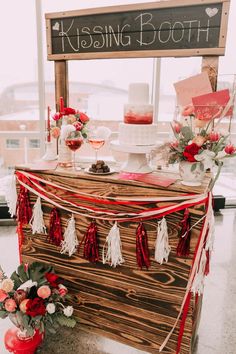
{"points": [[149, 309]]}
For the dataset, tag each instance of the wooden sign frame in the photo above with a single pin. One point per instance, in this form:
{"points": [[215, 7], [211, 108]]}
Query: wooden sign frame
{"points": [[74, 31]]}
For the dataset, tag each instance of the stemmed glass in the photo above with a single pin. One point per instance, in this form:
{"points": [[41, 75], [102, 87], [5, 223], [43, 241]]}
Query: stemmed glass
{"points": [[74, 140], [96, 139]]}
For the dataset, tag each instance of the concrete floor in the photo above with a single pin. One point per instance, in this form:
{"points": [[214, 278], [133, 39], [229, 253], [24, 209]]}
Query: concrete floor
{"points": [[217, 330]]}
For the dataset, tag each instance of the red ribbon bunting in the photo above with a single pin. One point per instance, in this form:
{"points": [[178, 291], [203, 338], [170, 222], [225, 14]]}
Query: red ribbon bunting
{"points": [[91, 252], [183, 247], [142, 253], [23, 209], [55, 232]]}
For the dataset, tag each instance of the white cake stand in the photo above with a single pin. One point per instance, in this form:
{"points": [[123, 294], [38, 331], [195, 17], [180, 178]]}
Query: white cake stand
{"points": [[137, 157]]}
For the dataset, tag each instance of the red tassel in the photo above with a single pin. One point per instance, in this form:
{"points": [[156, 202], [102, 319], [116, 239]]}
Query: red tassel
{"points": [[183, 247], [142, 253], [55, 232], [23, 209], [91, 252], [207, 268]]}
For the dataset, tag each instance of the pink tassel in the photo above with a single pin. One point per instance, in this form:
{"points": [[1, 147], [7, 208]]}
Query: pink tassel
{"points": [[23, 209], [183, 247], [55, 232], [142, 253], [91, 252]]}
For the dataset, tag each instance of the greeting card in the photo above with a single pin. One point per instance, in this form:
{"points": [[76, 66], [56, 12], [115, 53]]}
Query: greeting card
{"points": [[191, 87], [212, 105]]}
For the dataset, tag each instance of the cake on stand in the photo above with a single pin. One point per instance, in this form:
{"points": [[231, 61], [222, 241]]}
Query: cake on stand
{"points": [[137, 134]]}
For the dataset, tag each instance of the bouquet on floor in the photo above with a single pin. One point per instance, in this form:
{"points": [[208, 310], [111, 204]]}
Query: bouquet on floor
{"points": [[34, 298]]}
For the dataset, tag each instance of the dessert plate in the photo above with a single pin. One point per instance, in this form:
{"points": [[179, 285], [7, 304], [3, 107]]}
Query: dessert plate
{"points": [[100, 173]]}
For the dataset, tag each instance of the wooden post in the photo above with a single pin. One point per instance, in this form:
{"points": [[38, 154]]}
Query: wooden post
{"points": [[61, 82], [210, 65]]}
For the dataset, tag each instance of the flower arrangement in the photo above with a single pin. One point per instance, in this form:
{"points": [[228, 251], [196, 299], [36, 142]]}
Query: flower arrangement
{"points": [[75, 121], [198, 140], [33, 298]]}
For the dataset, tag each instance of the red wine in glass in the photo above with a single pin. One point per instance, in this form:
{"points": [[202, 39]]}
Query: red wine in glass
{"points": [[74, 144], [74, 141]]}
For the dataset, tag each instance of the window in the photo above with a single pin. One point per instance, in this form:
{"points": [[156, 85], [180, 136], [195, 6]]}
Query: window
{"points": [[34, 143], [12, 143]]}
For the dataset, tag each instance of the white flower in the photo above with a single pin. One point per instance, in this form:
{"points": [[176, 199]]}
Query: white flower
{"points": [[221, 155], [68, 311], [7, 285], [207, 158], [51, 308], [66, 130], [27, 285]]}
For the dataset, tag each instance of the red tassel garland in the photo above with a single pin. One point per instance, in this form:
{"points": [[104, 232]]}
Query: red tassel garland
{"points": [[142, 253], [23, 209], [91, 252], [55, 232], [183, 247]]}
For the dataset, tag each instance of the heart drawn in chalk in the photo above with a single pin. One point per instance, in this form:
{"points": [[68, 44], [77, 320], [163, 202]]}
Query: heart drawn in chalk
{"points": [[56, 26], [211, 11]]}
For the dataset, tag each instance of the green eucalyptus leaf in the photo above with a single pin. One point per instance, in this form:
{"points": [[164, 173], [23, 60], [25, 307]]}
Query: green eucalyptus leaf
{"points": [[193, 167], [17, 282], [3, 314], [201, 166], [22, 274], [187, 133]]}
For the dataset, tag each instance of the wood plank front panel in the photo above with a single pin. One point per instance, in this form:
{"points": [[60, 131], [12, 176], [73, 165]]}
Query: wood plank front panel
{"points": [[136, 307]]}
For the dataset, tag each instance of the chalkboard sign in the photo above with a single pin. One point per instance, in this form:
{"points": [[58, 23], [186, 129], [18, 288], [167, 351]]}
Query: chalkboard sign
{"points": [[153, 29]]}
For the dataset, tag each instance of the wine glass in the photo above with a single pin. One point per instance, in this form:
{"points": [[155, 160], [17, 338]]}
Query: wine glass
{"points": [[74, 140], [96, 140]]}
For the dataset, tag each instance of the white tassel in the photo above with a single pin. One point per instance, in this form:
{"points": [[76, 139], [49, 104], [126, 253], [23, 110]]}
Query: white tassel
{"points": [[162, 248], [211, 230], [11, 196], [112, 249], [70, 243], [198, 282], [37, 222]]}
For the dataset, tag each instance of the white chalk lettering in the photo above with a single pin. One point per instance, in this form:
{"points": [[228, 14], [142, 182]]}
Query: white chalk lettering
{"points": [[125, 36], [174, 30], [97, 43], [190, 28], [201, 30], [113, 35], [164, 30], [84, 42], [64, 35], [146, 25]]}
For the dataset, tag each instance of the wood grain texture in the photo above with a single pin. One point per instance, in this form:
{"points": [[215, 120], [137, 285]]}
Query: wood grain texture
{"points": [[136, 307]]}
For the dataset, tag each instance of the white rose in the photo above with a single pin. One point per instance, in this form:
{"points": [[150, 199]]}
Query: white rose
{"points": [[68, 311], [51, 308]]}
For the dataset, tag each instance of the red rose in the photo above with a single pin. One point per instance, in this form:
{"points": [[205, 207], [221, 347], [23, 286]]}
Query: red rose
{"points": [[83, 117], [57, 116], [53, 279], [230, 149], [68, 111], [190, 151], [35, 307]]}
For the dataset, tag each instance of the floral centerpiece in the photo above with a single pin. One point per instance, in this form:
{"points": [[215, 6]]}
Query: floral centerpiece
{"points": [[75, 120], [34, 298], [200, 143]]}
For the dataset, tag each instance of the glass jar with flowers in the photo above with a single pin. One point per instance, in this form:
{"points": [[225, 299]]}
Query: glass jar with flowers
{"points": [[71, 120], [35, 300], [198, 146]]}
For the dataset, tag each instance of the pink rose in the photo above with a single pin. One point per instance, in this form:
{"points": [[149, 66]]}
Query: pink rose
{"points": [[230, 149], [62, 290], [188, 110], [214, 136], [44, 291], [78, 126], [19, 296], [23, 305], [55, 131], [176, 126], [10, 305], [57, 116], [3, 295]]}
